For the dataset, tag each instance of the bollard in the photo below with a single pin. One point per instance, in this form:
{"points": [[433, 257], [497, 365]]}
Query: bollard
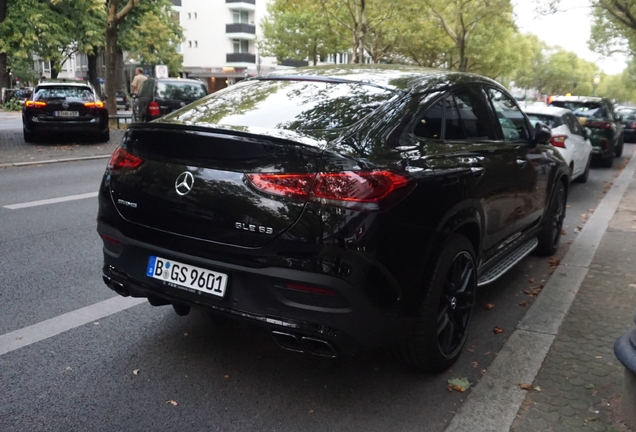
{"points": [[625, 351]]}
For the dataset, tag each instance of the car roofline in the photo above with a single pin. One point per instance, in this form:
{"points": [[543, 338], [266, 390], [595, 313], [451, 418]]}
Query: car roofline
{"points": [[315, 78]]}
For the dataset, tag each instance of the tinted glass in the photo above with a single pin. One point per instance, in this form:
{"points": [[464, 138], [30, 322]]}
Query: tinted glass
{"points": [[475, 114], [430, 125], [552, 121], [511, 119], [453, 129], [287, 104], [583, 109], [627, 114], [179, 90], [64, 92]]}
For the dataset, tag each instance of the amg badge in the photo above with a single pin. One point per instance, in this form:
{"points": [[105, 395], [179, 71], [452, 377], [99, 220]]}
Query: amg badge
{"points": [[254, 228]]}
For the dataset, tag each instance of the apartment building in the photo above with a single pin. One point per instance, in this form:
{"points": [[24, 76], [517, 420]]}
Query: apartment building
{"points": [[220, 40]]}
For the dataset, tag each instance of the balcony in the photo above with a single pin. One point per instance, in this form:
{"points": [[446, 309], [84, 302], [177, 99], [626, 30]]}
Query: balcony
{"points": [[240, 59], [240, 31], [248, 5]]}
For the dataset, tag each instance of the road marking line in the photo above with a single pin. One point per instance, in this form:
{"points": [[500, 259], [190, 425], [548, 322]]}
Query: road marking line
{"points": [[51, 201], [62, 323]]}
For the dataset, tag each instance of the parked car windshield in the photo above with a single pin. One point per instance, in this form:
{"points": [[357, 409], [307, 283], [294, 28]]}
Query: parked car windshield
{"points": [[179, 90], [627, 114], [64, 92], [583, 109], [551, 121], [288, 104]]}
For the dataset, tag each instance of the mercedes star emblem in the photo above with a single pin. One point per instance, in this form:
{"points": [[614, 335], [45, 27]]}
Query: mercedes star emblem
{"points": [[184, 183], [65, 104]]}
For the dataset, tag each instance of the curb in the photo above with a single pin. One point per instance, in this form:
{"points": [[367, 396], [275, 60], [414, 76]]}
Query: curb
{"points": [[495, 402], [50, 161]]}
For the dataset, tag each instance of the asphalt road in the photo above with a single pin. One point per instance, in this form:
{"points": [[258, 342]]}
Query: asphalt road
{"points": [[147, 369]]}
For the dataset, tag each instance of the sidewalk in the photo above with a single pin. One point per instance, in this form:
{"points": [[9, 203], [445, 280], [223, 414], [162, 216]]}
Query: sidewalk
{"points": [[562, 350]]}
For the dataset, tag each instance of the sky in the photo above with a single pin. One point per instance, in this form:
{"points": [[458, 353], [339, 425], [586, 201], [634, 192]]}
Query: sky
{"points": [[569, 29]]}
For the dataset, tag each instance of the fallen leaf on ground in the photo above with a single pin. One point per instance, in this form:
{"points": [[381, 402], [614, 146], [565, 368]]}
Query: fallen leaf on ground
{"points": [[186, 334], [523, 303], [599, 357], [458, 384], [475, 365], [135, 371], [489, 306], [173, 403], [69, 368], [531, 280], [525, 386], [589, 386], [537, 388], [554, 262], [534, 291], [498, 330], [311, 411]]}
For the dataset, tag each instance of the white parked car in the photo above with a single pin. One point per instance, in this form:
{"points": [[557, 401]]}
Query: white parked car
{"points": [[569, 138]]}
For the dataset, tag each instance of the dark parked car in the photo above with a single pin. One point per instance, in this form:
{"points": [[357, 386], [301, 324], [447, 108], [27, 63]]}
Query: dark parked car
{"points": [[23, 94], [343, 208], [160, 96], [597, 114], [628, 118], [122, 100], [64, 107]]}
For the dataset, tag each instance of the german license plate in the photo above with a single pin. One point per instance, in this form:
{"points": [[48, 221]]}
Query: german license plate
{"points": [[66, 113], [187, 276]]}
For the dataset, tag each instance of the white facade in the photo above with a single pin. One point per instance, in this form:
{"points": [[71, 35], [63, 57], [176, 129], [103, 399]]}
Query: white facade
{"points": [[220, 40]]}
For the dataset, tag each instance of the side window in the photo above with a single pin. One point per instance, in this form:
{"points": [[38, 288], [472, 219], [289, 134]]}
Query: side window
{"points": [[453, 129], [511, 119], [144, 91], [430, 125], [573, 124], [475, 114]]}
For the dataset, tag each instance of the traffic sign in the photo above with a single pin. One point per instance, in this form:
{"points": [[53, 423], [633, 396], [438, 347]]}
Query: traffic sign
{"points": [[161, 71]]}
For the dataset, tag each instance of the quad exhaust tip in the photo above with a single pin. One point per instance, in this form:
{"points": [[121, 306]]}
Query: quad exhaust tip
{"points": [[302, 344], [118, 287]]}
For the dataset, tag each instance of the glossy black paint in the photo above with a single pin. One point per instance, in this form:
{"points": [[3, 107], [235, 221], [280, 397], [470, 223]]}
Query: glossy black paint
{"points": [[494, 191]]}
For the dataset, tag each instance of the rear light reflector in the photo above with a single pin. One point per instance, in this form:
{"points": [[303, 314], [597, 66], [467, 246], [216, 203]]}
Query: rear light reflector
{"points": [[633, 126], [309, 289], [599, 124], [122, 160], [339, 189], [35, 104], [110, 239], [98, 104], [605, 143], [558, 140], [153, 109]]}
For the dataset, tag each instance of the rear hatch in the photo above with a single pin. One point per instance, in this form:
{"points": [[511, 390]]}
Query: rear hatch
{"points": [[191, 182], [593, 116], [172, 95], [65, 103]]}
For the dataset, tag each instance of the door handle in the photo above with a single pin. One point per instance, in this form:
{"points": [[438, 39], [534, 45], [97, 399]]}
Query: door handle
{"points": [[478, 171], [521, 163]]}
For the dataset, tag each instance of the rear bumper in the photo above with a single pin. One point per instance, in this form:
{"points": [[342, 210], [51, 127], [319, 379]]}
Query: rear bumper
{"points": [[88, 127], [348, 320]]}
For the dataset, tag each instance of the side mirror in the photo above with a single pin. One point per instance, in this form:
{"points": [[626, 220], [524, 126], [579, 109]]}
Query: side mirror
{"points": [[542, 133]]}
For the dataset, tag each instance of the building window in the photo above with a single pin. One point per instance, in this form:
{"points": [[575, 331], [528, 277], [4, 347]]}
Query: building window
{"points": [[240, 17], [196, 44], [241, 46], [189, 15], [195, 15], [189, 44], [178, 48]]}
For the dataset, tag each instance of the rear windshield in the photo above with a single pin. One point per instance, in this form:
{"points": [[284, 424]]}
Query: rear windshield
{"points": [[583, 109], [179, 90], [288, 104], [552, 121], [64, 92], [627, 114]]}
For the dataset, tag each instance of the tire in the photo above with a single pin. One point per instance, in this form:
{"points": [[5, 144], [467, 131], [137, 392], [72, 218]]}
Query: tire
{"points": [[550, 233], [444, 316], [29, 136], [583, 177], [607, 162], [104, 137], [618, 151], [571, 172]]}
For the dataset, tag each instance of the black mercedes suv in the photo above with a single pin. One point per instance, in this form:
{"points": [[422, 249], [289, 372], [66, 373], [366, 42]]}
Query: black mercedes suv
{"points": [[344, 208]]}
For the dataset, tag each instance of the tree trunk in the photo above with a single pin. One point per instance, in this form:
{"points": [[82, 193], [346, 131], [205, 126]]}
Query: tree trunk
{"points": [[55, 69], [111, 56], [463, 60], [120, 79], [92, 71], [4, 73]]}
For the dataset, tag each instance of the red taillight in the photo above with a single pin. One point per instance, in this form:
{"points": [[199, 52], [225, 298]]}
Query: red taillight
{"points": [[598, 124], [110, 239], [34, 104], [558, 140], [98, 104], [339, 189], [605, 143], [309, 289], [153, 109], [633, 126], [122, 160]]}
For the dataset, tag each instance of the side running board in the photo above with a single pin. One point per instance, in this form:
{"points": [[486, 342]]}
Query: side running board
{"points": [[497, 271]]}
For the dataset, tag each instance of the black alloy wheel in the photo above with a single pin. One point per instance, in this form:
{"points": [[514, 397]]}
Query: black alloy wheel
{"points": [[550, 234], [444, 317], [456, 305]]}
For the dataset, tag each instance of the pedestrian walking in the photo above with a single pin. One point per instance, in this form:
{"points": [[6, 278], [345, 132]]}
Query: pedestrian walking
{"points": [[137, 80]]}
